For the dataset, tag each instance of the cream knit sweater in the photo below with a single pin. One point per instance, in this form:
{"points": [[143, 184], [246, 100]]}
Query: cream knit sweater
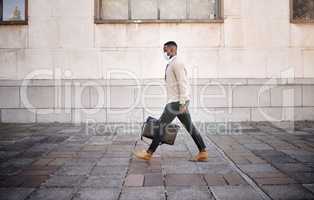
{"points": [[177, 82]]}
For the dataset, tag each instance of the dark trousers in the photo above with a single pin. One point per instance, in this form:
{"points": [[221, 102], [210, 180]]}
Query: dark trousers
{"points": [[171, 111]]}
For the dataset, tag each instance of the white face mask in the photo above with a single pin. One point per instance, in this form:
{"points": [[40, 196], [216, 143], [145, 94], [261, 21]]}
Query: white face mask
{"points": [[166, 56]]}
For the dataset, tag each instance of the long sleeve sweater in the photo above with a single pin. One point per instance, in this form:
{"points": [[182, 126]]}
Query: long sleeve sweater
{"points": [[177, 83]]}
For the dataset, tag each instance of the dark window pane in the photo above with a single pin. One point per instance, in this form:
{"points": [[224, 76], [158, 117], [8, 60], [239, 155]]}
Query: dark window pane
{"points": [[303, 9], [144, 9]]}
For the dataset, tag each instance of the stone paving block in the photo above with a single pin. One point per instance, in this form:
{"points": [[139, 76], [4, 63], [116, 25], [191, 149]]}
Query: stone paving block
{"points": [[10, 170], [59, 161], [267, 175], [117, 154], [181, 168], [259, 146], [179, 154], [235, 193], [113, 161], [303, 177], [119, 148], [29, 153], [279, 159], [143, 193], [70, 148], [70, 130], [106, 170], [216, 161], [174, 160], [309, 187], [74, 170], [255, 160], [213, 180], [81, 161], [90, 154], [63, 181], [155, 179], [134, 180], [42, 162], [257, 168], [63, 154], [15, 193], [274, 181], [234, 179], [95, 148], [99, 140], [189, 193], [294, 167], [97, 194], [33, 181], [273, 155], [155, 163], [184, 180], [305, 158], [52, 194], [5, 155], [39, 170], [144, 168], [18, 162], [206, 168], [287, 192], [103, 181], [55, 139], [11, 181], [22, 181], [241, 161], [77, 138]]}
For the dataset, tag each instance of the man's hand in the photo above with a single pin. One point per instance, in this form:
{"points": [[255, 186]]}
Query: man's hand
{"points": [[182, 108]]}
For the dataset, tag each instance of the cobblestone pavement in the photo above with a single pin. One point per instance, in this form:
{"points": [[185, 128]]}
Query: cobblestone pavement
{"points": [[66, 161]]}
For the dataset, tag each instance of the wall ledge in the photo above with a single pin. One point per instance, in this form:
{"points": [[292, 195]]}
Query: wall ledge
{"points": [[158, 81]]}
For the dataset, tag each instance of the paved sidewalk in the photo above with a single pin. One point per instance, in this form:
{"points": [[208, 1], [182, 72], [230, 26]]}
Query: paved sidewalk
{"points": [[64, 161]]}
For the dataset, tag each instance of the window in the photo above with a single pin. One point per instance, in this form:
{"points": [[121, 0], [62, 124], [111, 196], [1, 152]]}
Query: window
{"points": [[302, 11], [141, 11], [13, 12]]}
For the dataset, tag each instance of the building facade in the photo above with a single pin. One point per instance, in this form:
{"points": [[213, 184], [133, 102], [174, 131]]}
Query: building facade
{"points": [[79, 60]]}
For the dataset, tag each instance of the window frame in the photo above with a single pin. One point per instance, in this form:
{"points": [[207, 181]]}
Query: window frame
{"points": [[12, 22], [298, 21], [99, 20]]}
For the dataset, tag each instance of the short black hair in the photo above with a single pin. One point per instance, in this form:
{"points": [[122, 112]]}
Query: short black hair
{"points": [[171, 43]]}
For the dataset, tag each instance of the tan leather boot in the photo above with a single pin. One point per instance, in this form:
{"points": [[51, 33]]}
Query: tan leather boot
{"points": [[143, 154], [201, 157]]}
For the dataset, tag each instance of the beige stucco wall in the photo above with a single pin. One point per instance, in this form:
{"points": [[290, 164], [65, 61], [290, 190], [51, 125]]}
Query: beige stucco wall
{"points": [[233, 65], [255, 40]]}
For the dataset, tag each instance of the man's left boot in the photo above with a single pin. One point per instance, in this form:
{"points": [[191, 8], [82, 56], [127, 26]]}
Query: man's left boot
{"points": [[143, 154], [202, 156]]}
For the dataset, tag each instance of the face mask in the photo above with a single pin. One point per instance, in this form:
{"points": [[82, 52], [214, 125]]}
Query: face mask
{"points": [[166, 56]]}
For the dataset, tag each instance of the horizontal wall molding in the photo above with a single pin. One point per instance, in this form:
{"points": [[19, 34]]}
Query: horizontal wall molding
{"points": [[157, 81]]}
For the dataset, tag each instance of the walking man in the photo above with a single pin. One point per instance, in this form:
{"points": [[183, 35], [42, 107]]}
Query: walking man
{"points": [[177, 85]]}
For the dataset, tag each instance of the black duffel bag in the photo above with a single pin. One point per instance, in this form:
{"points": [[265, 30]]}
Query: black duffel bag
{"points": [[152, 126]]}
